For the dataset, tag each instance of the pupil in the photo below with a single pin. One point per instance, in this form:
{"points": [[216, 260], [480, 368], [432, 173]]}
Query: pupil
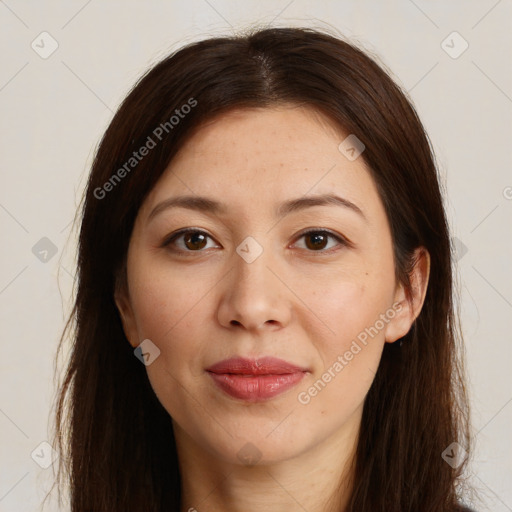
{"points": [[194, 241]]}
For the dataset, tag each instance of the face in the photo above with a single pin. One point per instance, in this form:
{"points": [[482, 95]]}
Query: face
{"points": [[272, 271]]}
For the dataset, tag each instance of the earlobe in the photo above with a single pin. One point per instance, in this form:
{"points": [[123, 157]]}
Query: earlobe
{"points": [[409, 303], [127, 317]]}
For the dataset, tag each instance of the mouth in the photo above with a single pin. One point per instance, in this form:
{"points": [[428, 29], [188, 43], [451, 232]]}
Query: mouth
{"points": [[255, 380]]}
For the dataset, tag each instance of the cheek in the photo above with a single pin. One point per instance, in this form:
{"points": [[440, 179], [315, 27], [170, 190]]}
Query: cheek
{"points": [[173, 309], [164, 301], [350, 312], [349, 356], [170, 311], [345, 304]]}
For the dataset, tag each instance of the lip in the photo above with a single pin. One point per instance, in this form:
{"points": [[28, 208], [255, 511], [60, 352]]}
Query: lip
{"points": [[255, 380]]}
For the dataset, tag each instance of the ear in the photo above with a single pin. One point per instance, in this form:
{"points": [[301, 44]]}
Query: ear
{"points": [[409, 303], [122, 300]]}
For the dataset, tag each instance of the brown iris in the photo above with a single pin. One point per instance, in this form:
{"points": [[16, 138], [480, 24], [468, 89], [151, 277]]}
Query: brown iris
{"points": [[318, 240], [195, 240]]}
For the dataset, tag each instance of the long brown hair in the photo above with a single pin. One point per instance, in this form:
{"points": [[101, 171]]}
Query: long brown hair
{"points": [[115, 437]]}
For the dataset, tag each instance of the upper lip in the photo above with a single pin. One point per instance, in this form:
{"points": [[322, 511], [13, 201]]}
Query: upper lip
{"points": [[261, 366]]}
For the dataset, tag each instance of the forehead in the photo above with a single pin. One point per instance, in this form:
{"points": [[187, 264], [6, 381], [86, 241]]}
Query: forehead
{"points": [[271, 154], [284, 134]]}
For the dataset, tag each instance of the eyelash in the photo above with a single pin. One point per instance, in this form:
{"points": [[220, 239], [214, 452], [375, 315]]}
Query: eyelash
{"points": [[341, 240]]}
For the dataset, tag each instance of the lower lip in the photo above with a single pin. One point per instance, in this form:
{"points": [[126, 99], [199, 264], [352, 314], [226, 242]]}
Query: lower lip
{"points": [[255, 388]]}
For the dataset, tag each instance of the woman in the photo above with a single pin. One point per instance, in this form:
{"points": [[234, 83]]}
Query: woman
{"points": [[264, 315]]}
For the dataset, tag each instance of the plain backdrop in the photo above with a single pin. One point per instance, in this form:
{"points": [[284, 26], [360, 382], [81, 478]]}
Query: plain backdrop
{"points": [[55, 107]]}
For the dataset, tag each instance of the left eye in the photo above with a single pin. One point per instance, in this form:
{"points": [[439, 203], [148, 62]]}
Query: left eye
{"points": [[317, 240]]}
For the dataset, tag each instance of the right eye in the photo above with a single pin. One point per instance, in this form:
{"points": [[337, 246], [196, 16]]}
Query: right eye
{"points": [[187, 240]]}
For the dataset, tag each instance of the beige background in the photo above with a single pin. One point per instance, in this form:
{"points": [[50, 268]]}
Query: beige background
{"points": [[55, 109]]}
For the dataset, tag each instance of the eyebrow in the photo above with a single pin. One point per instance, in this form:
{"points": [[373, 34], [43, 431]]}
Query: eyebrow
{"points": [[207, 205]]}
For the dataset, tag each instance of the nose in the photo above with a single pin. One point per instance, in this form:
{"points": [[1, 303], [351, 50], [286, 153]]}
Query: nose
{"points": [[254, 296]]}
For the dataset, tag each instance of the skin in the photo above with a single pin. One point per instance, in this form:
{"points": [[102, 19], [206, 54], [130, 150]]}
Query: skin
{"points": [[303, 304]]}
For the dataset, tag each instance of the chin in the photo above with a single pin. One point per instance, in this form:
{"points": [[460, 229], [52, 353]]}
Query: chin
{"points": [[252, 452]]}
